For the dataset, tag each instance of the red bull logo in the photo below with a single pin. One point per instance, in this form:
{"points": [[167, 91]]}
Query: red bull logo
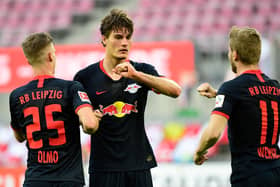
{"points": [[119, 109]]}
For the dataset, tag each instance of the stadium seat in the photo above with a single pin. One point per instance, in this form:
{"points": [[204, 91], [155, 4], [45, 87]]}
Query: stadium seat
{"points": [[28, 15]]}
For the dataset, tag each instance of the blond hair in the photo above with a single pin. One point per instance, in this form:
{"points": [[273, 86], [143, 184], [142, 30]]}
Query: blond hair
{"points": [[33, 47], [246, 42]]}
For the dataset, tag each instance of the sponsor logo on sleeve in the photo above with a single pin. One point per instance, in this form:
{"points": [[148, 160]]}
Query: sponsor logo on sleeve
{"points": [[219, 101], [83, 96]]}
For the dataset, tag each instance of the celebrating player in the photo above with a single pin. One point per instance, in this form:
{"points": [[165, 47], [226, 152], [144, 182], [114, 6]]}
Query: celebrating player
{"points": [[249, 104], [43, 112], [121, 155]]}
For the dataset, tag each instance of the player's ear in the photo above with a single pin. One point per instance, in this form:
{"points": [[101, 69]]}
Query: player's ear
{"points": [[50, 58], [103, 41], [235, 55]]}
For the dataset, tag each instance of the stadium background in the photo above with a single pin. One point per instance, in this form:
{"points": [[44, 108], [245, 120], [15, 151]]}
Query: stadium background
{"points": [[185, 39]]}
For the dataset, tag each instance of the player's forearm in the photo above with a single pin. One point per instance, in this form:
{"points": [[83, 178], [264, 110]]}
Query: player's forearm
{"points": [[207, 141], [88, 120], [160, 84], [212, 133]]}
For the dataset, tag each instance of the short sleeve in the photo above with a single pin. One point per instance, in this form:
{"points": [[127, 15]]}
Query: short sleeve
{"points": [[80, 96], [224, 101], [77, 77], [149, 69]]}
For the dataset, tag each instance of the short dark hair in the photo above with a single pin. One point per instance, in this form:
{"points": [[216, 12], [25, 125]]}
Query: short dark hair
{"points": [[246, 42], [116, 20], [34, 44]]}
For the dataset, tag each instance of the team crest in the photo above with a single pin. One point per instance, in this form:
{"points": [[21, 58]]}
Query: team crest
{"points": [[219, 101], [132, 88]]}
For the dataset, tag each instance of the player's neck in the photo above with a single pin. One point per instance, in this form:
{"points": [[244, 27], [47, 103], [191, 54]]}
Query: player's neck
{"points": [[242, 68], [109, 64], [42, 71]]}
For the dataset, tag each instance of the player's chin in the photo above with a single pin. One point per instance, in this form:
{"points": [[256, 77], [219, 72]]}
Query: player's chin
{"points": [[122, 57]]}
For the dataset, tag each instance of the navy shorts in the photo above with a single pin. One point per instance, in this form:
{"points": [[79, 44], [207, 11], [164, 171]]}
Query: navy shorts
{"points": [[268, 178], [52, 184], [141, 178]]}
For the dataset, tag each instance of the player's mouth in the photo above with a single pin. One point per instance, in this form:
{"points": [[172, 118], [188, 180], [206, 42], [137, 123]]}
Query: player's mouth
{"points": [[123, 50]]}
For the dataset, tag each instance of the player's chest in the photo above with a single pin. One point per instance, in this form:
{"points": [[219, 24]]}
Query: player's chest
{"points": [[108, 91]]}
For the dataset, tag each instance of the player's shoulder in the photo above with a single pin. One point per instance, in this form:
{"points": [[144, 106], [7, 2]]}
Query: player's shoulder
{"points": [[271, 81], [140, 65], [89, 69], [17, 91], [230, 86], [66, 83], [21, 89]]}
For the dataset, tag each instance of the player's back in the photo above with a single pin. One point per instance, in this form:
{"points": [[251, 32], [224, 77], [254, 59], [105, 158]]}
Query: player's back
{"points": [[253, 124], [45, 110]]}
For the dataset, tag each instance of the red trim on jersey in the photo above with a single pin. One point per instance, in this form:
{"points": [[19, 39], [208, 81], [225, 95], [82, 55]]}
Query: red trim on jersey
{"points": [[41, 79], [40, 83], [43, 76], [274, 105], [102, 67], [257, 72], [81, 106], [221, 114]]}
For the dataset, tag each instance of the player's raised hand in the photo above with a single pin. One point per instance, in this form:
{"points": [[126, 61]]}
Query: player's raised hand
{"points": [[125, 69], [206, 90]]}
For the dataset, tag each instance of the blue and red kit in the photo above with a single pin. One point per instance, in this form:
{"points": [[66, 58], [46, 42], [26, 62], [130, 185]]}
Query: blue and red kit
{"points": [[251, 103], [45, 111], [121, 143]]}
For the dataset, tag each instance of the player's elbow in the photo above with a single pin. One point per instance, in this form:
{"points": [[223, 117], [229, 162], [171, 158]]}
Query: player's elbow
{"points": [[20, 139], [175, 92], [178, 91]]}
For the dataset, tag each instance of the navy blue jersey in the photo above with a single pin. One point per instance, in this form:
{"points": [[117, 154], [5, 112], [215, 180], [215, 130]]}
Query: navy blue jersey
{"points": [[121, 143], [251, 103], [44, 110]]}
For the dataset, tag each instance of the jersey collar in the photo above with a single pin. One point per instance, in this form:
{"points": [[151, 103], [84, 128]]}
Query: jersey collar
{"points": [[42, 77], [102, 67], [257, 71]]}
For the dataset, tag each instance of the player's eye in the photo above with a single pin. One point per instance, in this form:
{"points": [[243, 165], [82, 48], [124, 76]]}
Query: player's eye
{"points": [[118, 36]]}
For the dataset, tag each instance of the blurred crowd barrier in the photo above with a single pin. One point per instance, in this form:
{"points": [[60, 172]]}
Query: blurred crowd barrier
{"points": [[165, 175]]}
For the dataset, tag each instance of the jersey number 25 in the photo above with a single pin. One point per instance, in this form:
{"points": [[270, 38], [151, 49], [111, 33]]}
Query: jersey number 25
{"points": [[51, 124]]}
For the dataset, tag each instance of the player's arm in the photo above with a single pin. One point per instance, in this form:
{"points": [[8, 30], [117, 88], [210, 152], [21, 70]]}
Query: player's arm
{"points": [[89, 119], [159, 84], [15, 122], [206, 90], [19, 135], [209, 137]]}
